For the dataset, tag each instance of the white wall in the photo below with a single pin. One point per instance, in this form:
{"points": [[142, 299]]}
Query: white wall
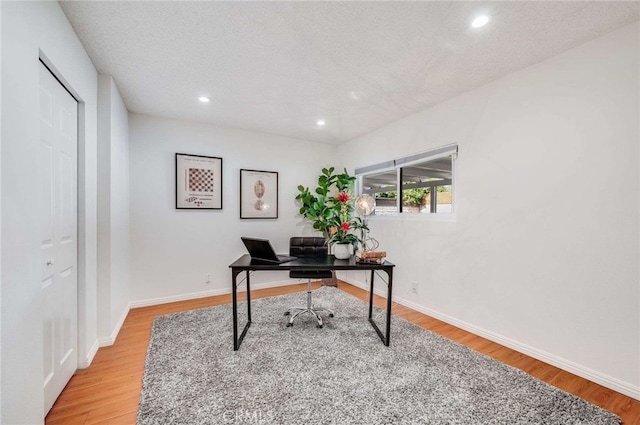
{"points": [[0, 212], [30, 29], [543, 252], [173, 250], [113, 210]]}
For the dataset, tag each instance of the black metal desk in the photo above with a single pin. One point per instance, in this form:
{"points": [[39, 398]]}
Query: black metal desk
{"points": [[245, 264]]}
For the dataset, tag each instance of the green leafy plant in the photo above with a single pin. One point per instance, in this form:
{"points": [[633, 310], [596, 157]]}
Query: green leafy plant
{"points": [[413, 197], [329, 207]]}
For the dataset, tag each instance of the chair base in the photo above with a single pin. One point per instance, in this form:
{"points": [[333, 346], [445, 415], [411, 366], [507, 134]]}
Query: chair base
{"points": [[297, 311], [310, 309]]}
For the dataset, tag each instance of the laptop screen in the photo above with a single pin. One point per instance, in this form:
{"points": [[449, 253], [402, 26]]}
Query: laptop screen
{"points": [[260, 249]]}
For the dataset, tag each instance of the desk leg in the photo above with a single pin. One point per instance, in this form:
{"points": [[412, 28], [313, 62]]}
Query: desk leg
{"points": [[248, 300], [371, 295], [389, 292], [234, 307], [385, 338], [234, 296]]}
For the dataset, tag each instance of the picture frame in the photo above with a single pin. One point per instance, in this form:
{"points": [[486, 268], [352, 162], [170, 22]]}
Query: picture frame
{"points": [[198, 182], [258, 194]]}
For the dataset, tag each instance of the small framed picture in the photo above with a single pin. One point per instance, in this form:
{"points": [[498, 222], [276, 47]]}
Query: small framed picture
{"points": [[198, 182], [258, 194]]}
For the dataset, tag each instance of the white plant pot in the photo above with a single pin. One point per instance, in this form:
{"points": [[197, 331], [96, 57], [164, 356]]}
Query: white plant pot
{"points": [[342, 251]]}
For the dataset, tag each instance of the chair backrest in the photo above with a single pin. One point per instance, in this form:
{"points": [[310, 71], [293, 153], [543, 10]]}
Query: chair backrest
{"points": [[307, 246]]}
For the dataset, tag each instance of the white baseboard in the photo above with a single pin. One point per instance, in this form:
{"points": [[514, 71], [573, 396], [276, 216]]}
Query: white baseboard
{"points": [[203, 294], [90, 355], [111, 339], [176, 298], [564, 364], [378, 290]]}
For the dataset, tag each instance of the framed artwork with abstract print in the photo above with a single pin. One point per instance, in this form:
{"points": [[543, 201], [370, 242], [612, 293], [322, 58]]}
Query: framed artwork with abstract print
{"points": [[198, 182], [258, 194]]}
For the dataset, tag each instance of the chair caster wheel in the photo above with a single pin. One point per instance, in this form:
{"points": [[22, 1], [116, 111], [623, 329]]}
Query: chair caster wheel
{"points": [[319, 326], [331, 315], [287, 313], [289, 325]]}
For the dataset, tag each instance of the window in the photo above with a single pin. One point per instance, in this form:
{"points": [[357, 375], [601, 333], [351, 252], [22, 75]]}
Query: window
{"points": [[415, 184]]}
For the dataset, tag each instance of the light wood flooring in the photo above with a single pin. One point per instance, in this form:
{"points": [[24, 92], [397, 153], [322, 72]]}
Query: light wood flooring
{"points": [[108, 391]]}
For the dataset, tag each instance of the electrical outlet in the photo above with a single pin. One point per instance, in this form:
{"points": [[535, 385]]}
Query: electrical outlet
{"points": [[414, 287], [208, 281]]}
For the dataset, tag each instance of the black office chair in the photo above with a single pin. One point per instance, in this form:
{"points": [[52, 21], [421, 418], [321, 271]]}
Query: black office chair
{"points": [[308, 247]]}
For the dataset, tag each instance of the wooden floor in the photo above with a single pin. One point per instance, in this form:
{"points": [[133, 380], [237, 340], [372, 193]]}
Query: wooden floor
{"points": [[108, 391]]}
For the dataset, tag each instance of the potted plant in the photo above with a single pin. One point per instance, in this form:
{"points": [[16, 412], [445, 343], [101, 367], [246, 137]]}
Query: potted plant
{"points": [[340, 233], [330, 208]]}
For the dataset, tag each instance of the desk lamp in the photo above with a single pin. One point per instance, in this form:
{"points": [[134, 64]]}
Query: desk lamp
{"points": [[365, 205]]}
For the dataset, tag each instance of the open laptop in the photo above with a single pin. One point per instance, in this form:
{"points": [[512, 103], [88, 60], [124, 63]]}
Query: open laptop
{"points": [[261, 250]]}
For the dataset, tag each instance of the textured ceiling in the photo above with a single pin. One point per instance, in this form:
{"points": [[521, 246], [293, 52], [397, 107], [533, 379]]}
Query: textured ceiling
{"points": [[278, 67]]}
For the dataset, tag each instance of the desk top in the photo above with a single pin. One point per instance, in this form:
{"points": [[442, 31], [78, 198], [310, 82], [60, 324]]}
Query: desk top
{"points": [[328, 262]]}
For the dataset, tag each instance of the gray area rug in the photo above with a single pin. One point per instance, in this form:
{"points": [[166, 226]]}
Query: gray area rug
{"points": [[340, 374]]}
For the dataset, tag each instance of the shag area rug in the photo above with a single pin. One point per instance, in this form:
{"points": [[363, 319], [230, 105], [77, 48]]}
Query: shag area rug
{"points": [[341, 374]]}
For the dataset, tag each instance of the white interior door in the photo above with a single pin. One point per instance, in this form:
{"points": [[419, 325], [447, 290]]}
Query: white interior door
{"points": [[58, 240]]}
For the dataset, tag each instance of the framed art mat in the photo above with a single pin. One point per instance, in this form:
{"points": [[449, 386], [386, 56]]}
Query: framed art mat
{"points": [[258, 194], [198, 182]]}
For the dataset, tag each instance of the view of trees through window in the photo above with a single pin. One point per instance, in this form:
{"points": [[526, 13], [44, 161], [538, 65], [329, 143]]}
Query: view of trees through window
{"points": [[420, 199]]}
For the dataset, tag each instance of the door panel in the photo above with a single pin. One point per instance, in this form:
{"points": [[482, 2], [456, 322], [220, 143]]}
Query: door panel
{"points": [[58, 167]]}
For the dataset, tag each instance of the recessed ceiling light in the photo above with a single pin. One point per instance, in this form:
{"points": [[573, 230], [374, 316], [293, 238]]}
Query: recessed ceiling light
{"points": [[321, 123], [204, 99], [480, 21]]}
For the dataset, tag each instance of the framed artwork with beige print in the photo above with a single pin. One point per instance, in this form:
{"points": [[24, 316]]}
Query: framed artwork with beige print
{"points": [[258, 194]]}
